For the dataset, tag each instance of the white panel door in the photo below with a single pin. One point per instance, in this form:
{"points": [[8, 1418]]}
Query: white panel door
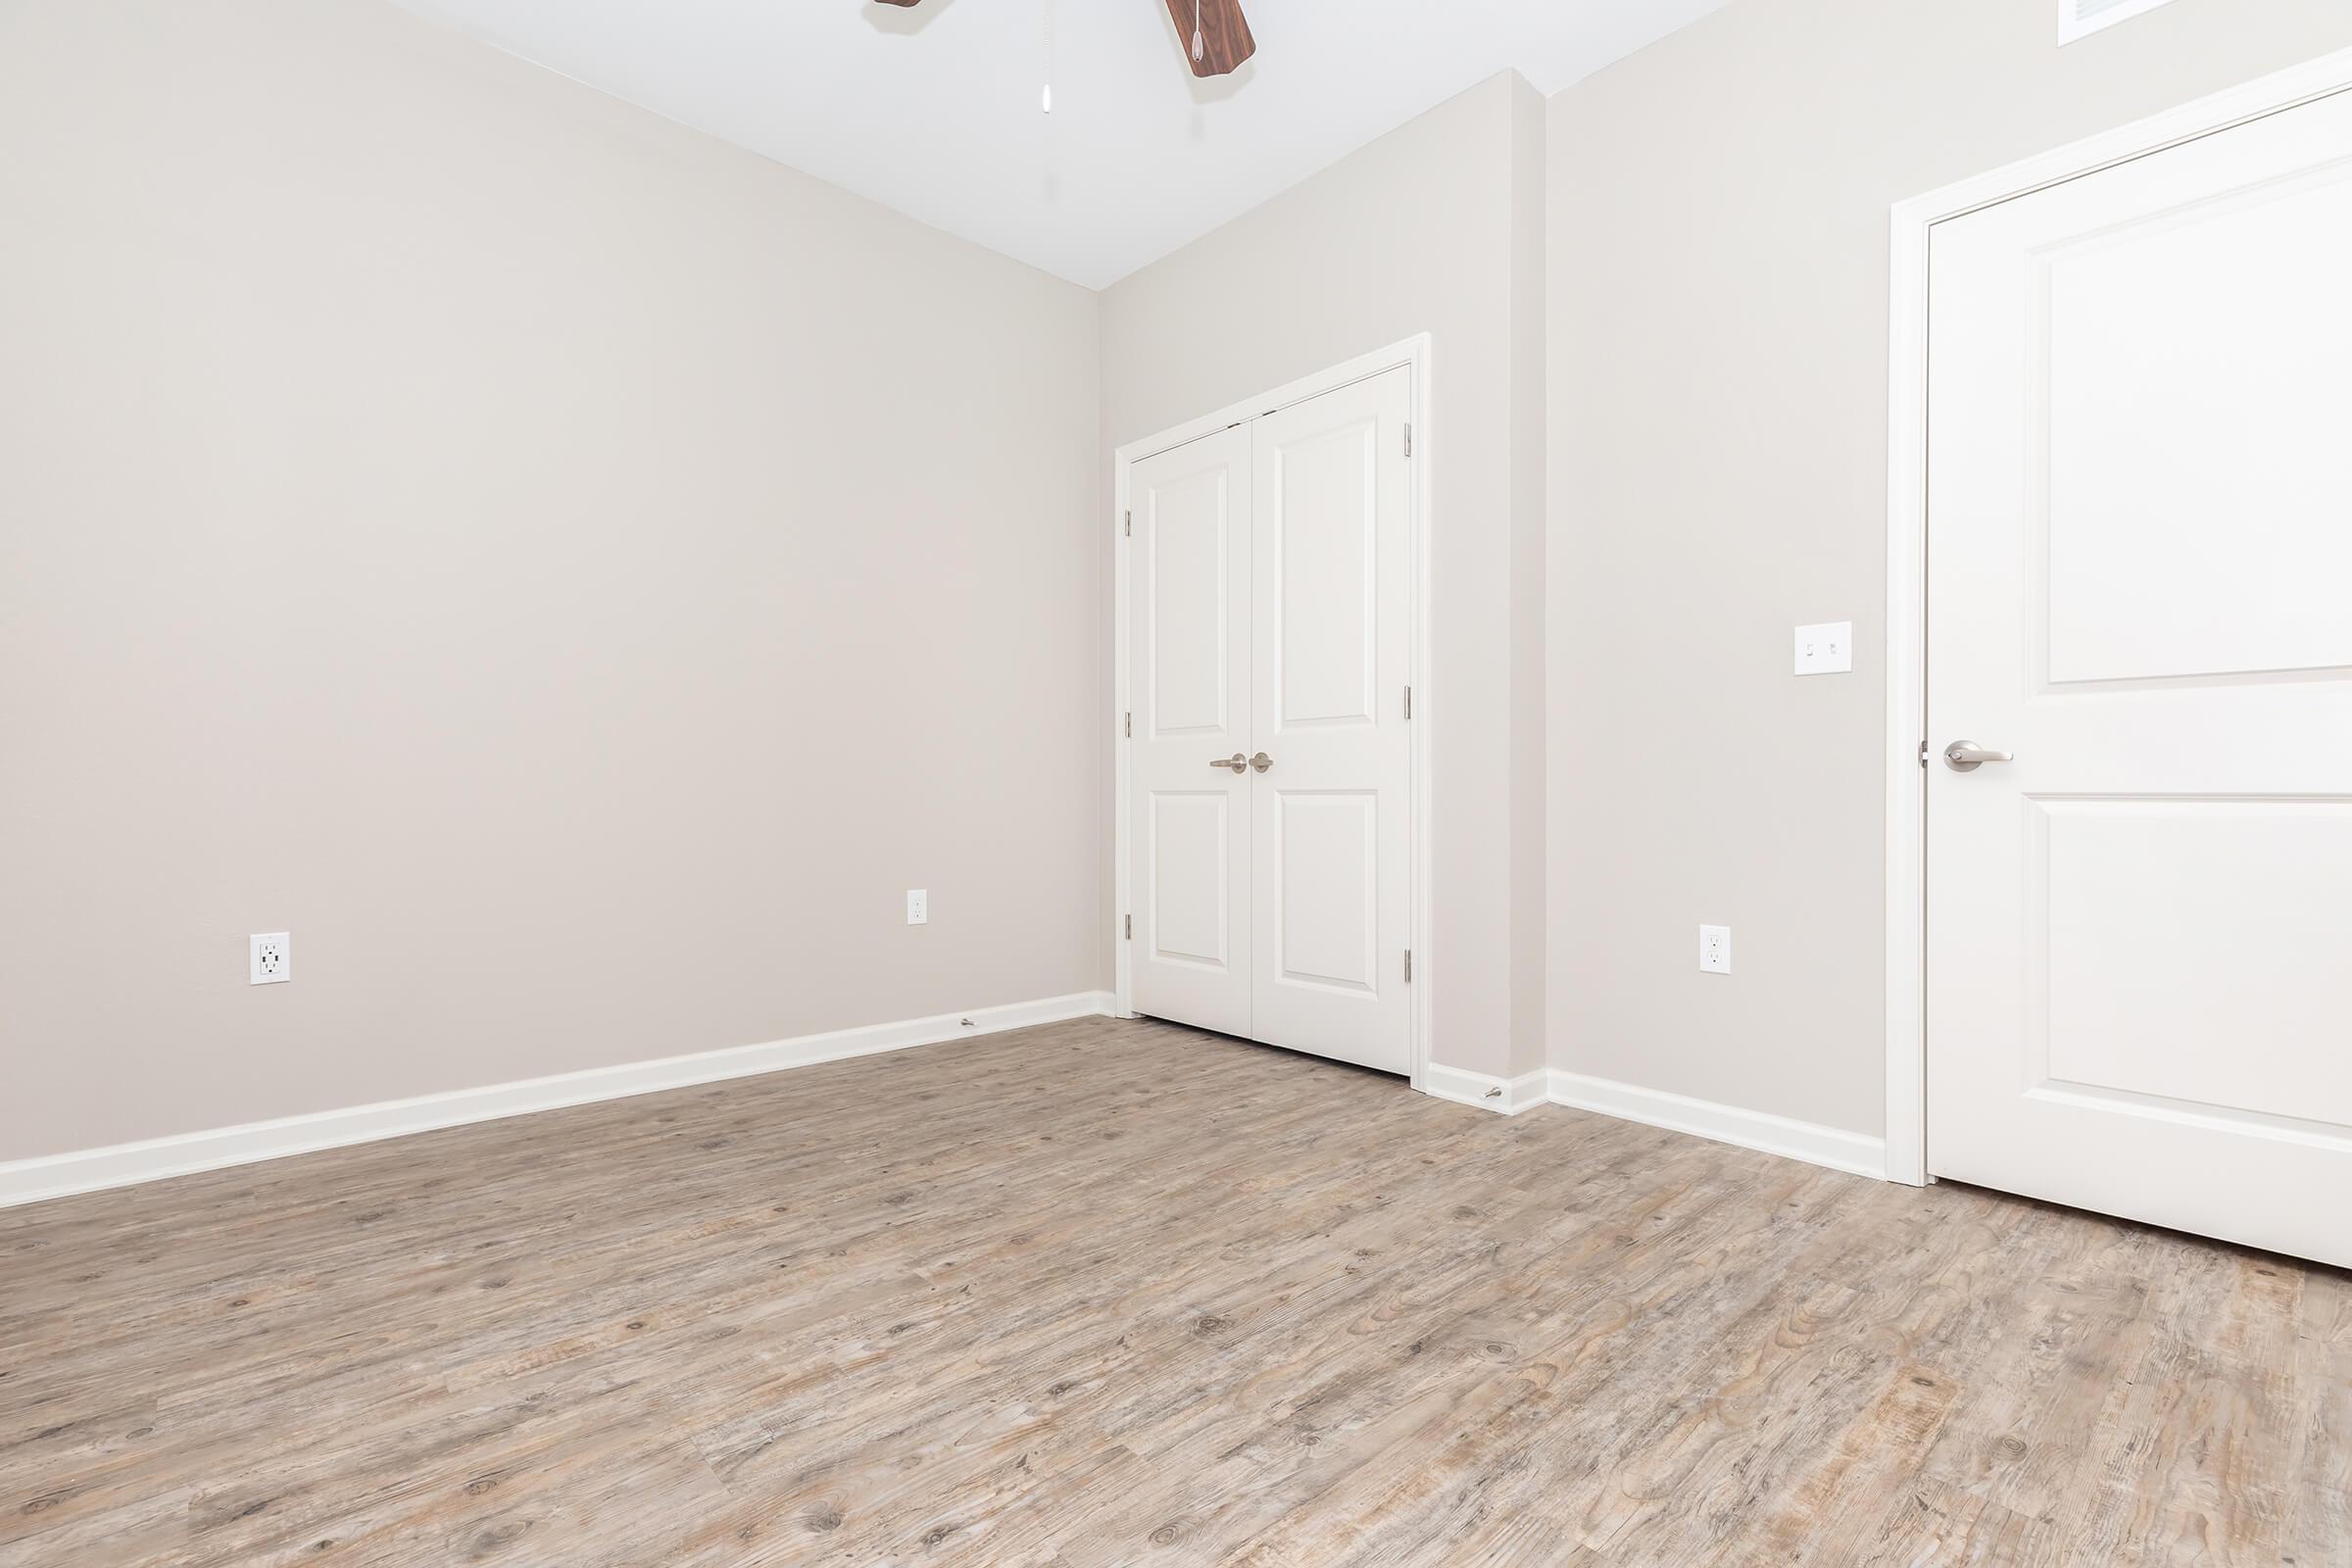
{"points": [[1189, 816], [1333, 648], [2139, 929]]}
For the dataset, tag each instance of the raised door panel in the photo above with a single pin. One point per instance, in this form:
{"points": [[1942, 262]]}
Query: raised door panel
{"points": [[1188, 859], [1325, 859], [1189, 627], [2188, 950], [2197, 465], [1324, 592]]}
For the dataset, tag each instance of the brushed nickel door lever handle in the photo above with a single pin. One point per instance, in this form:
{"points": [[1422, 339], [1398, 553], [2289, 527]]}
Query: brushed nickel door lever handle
{"points": [[1237, 761], [1966, 756], [1261, 762]]}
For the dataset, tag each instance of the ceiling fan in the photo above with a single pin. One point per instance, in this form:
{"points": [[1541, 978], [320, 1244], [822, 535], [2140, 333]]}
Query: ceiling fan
{"points": [[1218, 33]]}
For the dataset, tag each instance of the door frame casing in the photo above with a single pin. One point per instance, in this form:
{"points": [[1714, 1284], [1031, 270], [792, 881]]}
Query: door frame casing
{"points": [[1907, 741], [1413, 355]]}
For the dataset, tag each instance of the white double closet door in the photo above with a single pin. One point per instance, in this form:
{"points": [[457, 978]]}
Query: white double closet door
{"points": [[2139, 909], [1271, 620]]}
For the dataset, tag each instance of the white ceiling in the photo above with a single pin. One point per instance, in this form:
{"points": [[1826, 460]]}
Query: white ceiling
{"points": [[935, 110]]}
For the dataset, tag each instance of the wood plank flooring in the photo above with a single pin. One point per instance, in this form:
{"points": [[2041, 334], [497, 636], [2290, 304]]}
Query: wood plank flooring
{"points": [[1111, 1294]]}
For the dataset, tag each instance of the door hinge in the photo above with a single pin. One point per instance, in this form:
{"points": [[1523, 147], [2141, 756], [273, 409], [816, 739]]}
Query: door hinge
{"points": [[1408, 440], [1408, 964], [1130, 520], [1408, 702], [1131, 726], [1922, 754], [1130, 928]]}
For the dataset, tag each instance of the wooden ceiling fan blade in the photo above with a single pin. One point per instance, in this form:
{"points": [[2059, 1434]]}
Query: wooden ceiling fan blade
{"points": [[899, 2], [1225, 41]]}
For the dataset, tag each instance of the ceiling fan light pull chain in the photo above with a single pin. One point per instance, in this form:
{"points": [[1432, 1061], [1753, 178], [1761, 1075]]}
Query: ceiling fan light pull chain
{"points": [[1198, 47]]}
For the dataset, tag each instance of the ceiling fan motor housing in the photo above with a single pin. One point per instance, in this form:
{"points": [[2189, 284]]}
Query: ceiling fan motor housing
{"points": [[1219, 32]]}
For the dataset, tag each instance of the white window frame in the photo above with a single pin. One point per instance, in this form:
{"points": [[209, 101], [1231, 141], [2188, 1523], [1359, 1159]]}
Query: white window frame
{"points": [[2073, 26]]}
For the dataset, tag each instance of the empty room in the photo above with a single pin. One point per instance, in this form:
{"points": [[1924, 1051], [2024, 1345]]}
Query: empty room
{"points": [[1169, 783]]}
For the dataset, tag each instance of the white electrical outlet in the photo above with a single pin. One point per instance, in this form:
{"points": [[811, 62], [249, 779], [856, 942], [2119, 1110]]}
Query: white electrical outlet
{"points": [[1715, 949], [1826, 650], [273, 957], [919, 906]]}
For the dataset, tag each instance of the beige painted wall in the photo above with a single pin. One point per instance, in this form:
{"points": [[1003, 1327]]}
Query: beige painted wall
{"points": [[437, 507], [1718, 265], [1429, 229], [436, 501]]}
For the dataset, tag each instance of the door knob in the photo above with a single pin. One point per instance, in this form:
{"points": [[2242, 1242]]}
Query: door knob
{"points": [[1261, 762], [1966, 756], [1237, 761]]}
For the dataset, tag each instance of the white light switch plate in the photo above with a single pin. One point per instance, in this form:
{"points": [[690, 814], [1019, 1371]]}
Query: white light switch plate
{"points": [[919, 906], [1715, 949], [1826, 650]]}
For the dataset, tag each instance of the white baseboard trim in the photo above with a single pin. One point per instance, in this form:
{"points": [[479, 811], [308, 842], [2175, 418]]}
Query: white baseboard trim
{"points": [[89, 1171], [1811, 1142], [1508, 1096]]}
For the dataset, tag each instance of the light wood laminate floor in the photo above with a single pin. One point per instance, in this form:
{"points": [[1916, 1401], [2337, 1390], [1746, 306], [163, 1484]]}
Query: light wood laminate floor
{"points": [[1117, 1294]]}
